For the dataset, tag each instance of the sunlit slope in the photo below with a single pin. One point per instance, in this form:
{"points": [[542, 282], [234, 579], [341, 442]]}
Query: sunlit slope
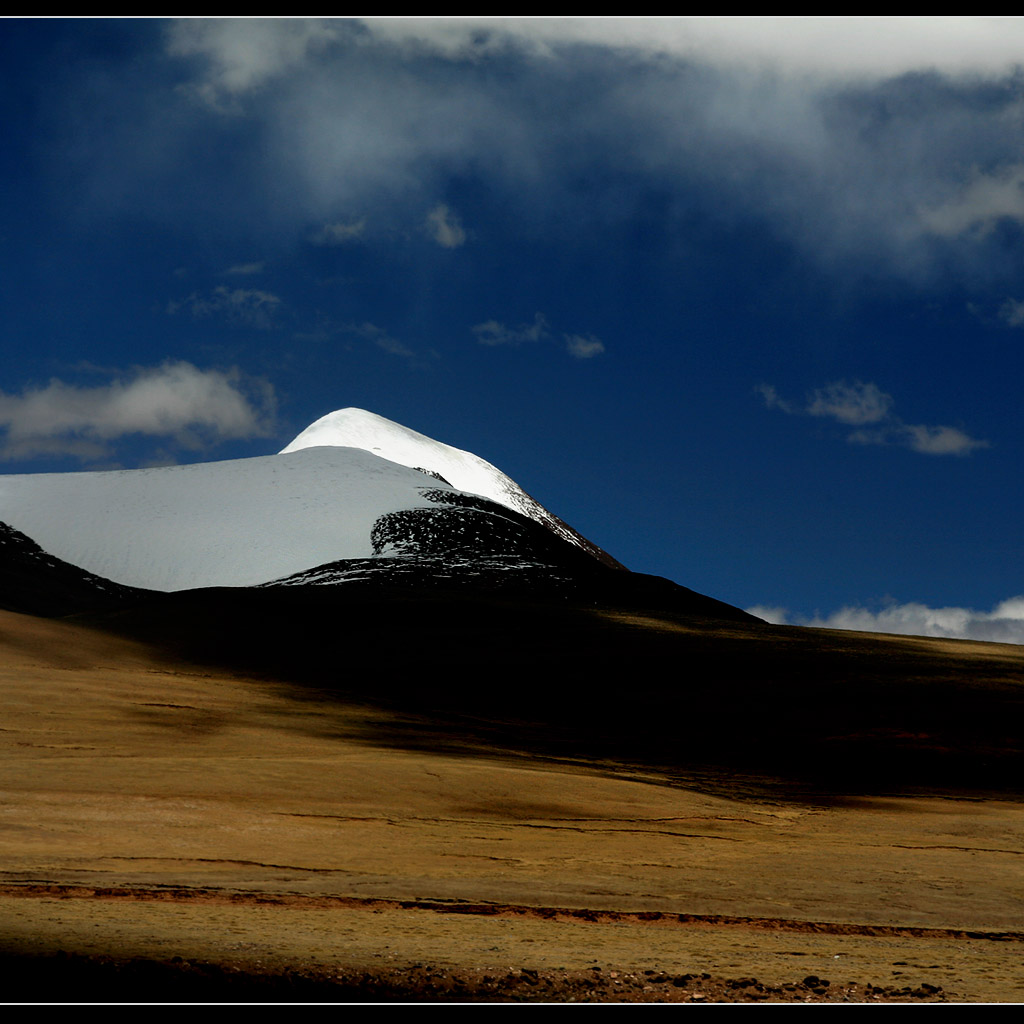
{"points": [[161, 810], [234, 523]]}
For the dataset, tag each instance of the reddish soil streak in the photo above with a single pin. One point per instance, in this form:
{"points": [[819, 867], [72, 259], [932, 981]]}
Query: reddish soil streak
{"points": [[212, 896]]}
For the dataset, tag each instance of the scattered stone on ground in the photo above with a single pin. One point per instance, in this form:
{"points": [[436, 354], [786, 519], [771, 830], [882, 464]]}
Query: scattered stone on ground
{"points": [[77, 978]]}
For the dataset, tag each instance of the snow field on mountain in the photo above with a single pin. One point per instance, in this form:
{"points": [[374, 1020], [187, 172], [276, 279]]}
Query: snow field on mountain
{"points": [[234, 523]]}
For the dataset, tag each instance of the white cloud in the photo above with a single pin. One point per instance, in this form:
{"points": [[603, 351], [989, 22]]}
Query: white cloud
{"points": [[1004, 624], [980, 205], [773, 613], [853, 404], [196, 408], [445, 227], [868, 407], [245, 269], [241, 54], [920, 438], [854, 138], [939, 440], [832, 47], [583, 347], [338, 233], [247, 306]]}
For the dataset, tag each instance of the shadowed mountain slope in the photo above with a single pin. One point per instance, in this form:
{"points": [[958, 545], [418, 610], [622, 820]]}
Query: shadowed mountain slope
{"points": [[721, 703], [483, 628], [37, 583]]}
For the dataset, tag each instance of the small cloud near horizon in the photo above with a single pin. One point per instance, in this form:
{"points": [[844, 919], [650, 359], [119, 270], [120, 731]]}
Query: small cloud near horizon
{"points": [[1004, 624]]}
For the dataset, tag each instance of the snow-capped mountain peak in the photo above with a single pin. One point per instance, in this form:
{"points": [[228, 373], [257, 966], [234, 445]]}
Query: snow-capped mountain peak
{"points": [[351, 486], [357, 428], [346, 504]]}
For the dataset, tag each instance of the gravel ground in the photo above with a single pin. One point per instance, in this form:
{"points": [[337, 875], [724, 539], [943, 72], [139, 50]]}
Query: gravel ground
{"points": [[77, 978]]}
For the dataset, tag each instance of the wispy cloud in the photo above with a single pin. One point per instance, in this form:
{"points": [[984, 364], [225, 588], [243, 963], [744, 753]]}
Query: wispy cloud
{"points": [[852, 137], [393, 346], [493, 332], [583, 346], [773, 400], [339, 232], [867, 407], [248, 306], [853, 404], [980, 204], [1012, 313], [382, 339], [195, 408], [240, 55], [445, 227], [920, 438], [1003, 624], [245, 269]]}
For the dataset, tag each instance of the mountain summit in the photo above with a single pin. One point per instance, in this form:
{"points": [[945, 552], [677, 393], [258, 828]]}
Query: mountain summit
{"points": [[357, 428], [354, 501], [352, 486]]}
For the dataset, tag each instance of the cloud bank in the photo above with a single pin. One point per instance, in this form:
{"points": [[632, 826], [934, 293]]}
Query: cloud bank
{"points": [[888, 138], [832, 47], [192, 407], [1004, 624], [243, 55]]}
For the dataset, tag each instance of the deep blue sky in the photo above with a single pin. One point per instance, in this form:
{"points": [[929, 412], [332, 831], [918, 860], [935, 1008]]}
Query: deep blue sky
{"points": [[740, 300]]}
